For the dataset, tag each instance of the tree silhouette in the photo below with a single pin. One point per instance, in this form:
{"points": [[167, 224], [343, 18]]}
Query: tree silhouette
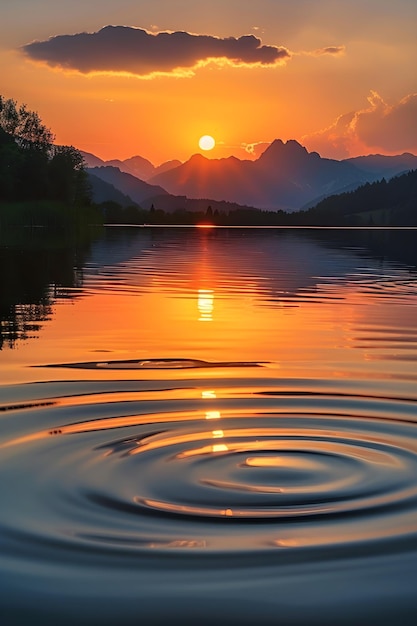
{"points": [[68, 180], [25, 126], [32, 168]]}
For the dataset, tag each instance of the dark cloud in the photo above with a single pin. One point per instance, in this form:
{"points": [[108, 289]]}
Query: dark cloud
{"points": [[379, 127], [136, 51]]}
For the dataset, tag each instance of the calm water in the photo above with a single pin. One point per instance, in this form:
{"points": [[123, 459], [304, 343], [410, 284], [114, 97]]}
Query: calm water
{"points": [[209, 426]]}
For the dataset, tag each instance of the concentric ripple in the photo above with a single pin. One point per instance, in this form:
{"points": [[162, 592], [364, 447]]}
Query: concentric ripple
{"points": [[251, 476], [272, 457]]}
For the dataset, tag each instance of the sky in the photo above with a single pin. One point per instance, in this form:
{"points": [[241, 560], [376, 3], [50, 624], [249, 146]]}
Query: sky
{"points": [[120, 78]]}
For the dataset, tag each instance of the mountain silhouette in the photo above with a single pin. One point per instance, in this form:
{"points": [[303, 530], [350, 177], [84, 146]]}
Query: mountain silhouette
{"points": [[136, 166], [101, 191], [285, 176], [138, 190], [385, 166], [109, 183]]}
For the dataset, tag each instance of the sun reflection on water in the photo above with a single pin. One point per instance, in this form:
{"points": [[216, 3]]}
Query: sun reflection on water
{"points": [[205, 305]]}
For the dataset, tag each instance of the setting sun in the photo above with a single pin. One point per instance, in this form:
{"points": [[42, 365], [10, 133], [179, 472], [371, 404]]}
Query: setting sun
{"points": [[206, 142]]}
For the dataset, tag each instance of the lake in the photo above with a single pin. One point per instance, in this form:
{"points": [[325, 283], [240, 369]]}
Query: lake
{"points": [[209, 425]]}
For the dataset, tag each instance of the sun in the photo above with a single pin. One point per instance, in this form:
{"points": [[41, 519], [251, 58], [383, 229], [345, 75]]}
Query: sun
{"points": [[206, 142]]}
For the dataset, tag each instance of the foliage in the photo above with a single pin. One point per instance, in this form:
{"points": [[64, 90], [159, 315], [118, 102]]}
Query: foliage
{"points": [[24, 126], [68, 180], [382, 203], [33, 170]]}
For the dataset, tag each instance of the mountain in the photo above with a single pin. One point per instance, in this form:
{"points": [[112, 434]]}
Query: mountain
{"points": [[381, 203], [109, 183], [101, 191], [91, 160], [164, 167], [385, 166], [138, 190], [136, 166], [286, 176]]}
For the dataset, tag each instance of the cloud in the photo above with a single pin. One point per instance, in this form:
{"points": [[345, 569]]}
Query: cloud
{"points": [[334, 50], [388, 128], [137, 51], [256, 149]]}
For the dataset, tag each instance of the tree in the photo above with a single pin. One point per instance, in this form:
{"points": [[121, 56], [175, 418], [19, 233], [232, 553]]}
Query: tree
{"points": [[32, 168], [25, 126], [10, 164], [68, 179], [34, 141]]}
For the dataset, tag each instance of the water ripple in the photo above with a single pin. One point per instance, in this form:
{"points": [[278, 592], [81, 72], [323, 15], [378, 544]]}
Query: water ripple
{"points": [[259, 477]]}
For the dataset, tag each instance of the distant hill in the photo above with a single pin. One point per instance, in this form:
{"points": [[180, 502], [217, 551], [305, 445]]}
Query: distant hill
{"points": [[136, 166], [164, 167], [91, 160], [385, 166], [138, 190], [382, 203], [110, 184], [101, 191], [285, 176]]}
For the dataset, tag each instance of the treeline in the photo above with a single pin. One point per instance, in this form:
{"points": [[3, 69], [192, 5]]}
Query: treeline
{"points": [[38, 180], [382, 203], [113, 213]]}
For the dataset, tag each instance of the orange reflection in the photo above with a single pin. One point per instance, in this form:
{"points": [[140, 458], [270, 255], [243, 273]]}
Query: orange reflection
{"points": [[205, 305], [287, 543], [285, 319], [180, 508], [217, 434], [179, 543], [219, 447], [213, 415]]}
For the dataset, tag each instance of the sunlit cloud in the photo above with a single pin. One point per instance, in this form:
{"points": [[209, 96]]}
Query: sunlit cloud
{"points": [[390, 128], [124, 49], [256, 149]]}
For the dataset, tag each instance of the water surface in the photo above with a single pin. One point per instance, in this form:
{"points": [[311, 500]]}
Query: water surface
{"points": [[209, 425]]}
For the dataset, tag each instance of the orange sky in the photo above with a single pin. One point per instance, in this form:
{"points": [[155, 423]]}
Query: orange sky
{"points": [[312, 63]]}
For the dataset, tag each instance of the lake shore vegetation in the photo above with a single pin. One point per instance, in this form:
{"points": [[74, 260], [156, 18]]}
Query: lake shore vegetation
{"points": [[382, 203], [41, 184]]}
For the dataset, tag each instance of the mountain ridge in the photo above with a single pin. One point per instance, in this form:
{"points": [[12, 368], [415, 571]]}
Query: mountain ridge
{"points": [[137, 189], [286, 176], [136, 165]]}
